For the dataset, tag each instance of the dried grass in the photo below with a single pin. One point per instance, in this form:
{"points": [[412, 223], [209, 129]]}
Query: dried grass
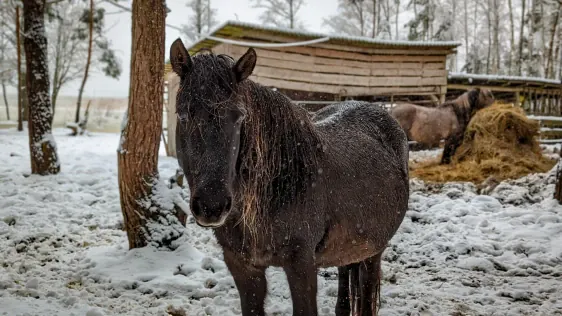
{"points": [[500, 142]]}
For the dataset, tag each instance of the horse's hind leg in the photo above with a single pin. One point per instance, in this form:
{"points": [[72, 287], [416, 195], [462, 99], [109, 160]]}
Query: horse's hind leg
{"points": [[368, 285], [348, 290], [343, 307]]}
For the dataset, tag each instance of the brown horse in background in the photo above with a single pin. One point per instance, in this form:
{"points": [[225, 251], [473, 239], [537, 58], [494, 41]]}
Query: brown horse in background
{"points": [[280, 189], [447, 121]]}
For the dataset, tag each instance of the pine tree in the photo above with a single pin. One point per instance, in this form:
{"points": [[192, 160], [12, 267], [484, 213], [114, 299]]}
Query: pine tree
{"points": [[149, 218], [42, 145]]}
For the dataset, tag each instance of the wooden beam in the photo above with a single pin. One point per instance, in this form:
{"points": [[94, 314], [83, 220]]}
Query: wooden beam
{"points": [[494, 88], [344, 90]]}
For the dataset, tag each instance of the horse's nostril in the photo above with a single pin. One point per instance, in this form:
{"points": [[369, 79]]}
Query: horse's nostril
{"points": [[228, 203], [196, 206]]}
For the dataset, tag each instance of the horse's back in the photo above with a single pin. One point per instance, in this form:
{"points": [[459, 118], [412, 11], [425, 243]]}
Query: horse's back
{"points": [[426, 125], [405, 114], [348, 121]]}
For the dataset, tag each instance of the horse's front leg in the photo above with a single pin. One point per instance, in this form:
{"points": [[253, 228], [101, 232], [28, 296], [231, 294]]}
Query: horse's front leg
{"points": [[251, 284], [302, 278], [451, 144]]}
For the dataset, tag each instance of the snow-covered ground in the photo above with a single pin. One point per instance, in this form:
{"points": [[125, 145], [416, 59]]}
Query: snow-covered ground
{"points": [[62, 251]]}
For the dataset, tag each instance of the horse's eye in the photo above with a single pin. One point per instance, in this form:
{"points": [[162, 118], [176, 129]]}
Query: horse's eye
{"points": [[182, 117]]}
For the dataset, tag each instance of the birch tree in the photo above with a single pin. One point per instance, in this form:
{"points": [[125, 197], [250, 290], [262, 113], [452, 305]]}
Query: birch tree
{"points": [[280, 13]]}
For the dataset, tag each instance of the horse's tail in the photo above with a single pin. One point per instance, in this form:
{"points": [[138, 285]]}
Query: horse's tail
{"points": [[365, 286]]}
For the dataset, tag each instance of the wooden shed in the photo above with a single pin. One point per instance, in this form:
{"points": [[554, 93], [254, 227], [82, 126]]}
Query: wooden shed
{"points": [[339, 66]]}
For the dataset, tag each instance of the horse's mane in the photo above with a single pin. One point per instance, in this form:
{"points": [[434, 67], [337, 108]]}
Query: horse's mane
{"points": [[279, 153], [463, 106]]}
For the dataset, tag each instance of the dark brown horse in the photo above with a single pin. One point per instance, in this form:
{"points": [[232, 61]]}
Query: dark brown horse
{"points": [[281, 190], [447, 121]]}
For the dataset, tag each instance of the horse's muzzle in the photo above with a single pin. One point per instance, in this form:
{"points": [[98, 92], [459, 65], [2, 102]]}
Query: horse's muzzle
{"points": [[210, 212]]}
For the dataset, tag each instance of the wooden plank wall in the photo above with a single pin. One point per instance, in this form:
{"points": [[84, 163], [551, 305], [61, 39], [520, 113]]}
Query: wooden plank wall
{"points": [[346, 73]]}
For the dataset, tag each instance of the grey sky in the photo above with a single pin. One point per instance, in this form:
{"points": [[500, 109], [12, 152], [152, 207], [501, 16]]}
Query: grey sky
{"points": [[120, 35]]}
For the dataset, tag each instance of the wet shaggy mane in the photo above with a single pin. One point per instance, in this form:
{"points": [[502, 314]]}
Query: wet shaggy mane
{"points": [[279, 152]]}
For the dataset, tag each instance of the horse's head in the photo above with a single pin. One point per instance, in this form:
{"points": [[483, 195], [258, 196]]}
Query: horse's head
{"points": [[484, 98], [210, 110]]}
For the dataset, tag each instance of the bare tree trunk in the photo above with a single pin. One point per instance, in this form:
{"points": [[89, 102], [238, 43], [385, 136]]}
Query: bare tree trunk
{"points": [[397, 2], [557, 62], [497, 63], [18, 49], [199, 18], [209, 15], [56, 74], [489, 20], [6, 100], [454, 31], [475, 24], [531, 38], [378, 17], [291, 14], [558, 186], [431, 18], [466, 35], [89, 58], [520, 53], [543, 36], [550, 56], [140, 137], [374, 13], [43, 148], [512, 37]]}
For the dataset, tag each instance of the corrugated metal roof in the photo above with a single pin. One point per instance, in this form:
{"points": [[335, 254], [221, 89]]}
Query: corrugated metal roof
{"points": [[234, 29], [458, 75]]}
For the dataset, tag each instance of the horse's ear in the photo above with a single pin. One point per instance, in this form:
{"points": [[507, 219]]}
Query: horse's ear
{"points": [[180, 59], [245, 65]]}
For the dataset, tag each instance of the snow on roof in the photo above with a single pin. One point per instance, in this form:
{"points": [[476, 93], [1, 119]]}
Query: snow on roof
{"points": [[458, 75], [333, 37]]}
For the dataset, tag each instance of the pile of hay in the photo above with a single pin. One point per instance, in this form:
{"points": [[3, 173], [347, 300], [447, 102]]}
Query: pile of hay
{"points": [[500, 142]]}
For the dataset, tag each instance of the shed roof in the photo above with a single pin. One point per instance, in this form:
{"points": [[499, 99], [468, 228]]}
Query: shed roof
{"points": [[237, 29], [504, 81]]}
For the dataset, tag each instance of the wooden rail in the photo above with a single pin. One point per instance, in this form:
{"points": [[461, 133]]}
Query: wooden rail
{"points": [[550, 128]]}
